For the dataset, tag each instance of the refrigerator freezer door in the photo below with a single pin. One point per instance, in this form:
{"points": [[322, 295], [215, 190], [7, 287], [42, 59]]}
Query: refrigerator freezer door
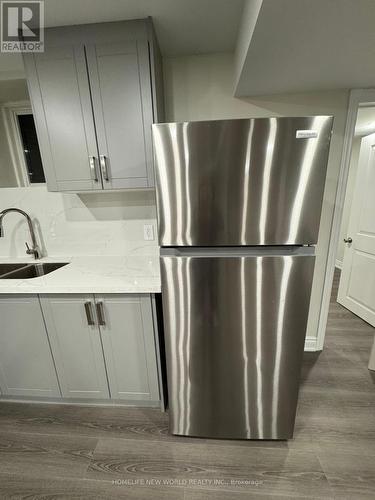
{"points": [[241, 182], [235, 331]]}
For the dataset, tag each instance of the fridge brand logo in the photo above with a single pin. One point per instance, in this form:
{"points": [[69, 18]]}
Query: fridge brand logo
{"points": [[22, 26], [306, 134]]}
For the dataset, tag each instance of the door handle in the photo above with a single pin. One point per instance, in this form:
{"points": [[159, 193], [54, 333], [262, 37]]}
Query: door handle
{"points": [[348, 240], [89, 313], [100, 313], [93, 170], [104, 167]]}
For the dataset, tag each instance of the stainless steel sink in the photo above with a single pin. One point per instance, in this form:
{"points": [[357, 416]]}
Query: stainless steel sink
{"points": [[27, 271], [8, 267]]}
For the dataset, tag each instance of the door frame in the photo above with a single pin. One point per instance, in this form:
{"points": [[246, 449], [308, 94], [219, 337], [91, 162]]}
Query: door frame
{"points": [[357, 98]]}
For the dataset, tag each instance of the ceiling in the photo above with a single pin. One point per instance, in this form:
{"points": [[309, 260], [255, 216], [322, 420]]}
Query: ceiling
{"points": [[286, 46], [182, 26], [309, 45]]}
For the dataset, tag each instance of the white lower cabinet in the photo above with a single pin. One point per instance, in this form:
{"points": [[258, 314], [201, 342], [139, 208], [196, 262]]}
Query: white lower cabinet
{"points": [[26, 363], [76, 345], [126, 326], [103, 346]]}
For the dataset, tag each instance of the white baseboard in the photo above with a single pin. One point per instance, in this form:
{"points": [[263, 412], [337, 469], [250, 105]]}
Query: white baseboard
{"points": [[338, 264], [311, 344], [81, 402]]}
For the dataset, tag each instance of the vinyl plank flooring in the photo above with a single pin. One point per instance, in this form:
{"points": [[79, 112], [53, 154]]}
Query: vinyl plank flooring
{"points": [[93, 418], [319, 402], [85, 421], [28, 487], [346, 444], [339, 412], [358, 399], [288, 472], [343, 333], [61, 456], [301, 442], [346, 434], [121, 422], [316, 372], [351, 476], [195, 494]]}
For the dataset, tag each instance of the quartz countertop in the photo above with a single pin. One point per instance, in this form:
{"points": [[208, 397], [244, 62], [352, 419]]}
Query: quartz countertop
{"points": [[94, 274]]}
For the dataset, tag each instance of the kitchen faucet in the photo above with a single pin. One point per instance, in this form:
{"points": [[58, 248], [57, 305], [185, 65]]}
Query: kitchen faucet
{"points": [[34, 250]]}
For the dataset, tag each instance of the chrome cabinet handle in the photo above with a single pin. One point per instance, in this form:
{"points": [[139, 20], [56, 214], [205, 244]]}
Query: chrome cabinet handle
{"points": [[104, 167], [94, 173], [100, 313], [348, 240], [89, 313]]}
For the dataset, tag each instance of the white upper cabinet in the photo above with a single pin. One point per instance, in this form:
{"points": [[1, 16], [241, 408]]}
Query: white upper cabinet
{"points": [[120, 86], [94, 93], [59, 90]]}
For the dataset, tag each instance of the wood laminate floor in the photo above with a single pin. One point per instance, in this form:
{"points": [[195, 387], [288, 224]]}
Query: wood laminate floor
{"points": [[58, 451]]}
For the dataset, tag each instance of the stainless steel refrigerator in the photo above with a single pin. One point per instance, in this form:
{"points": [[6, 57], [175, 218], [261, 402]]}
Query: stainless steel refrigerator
{"points": [[239, 205]]}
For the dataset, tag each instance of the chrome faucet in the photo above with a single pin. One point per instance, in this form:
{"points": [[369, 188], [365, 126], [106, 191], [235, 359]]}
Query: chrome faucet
{"points": [[34, 250]]}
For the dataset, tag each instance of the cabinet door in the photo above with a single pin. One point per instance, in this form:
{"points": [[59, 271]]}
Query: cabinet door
{"points": [[76, 345], [122, 102], [129, 347], [60, 96], [26, 364]]}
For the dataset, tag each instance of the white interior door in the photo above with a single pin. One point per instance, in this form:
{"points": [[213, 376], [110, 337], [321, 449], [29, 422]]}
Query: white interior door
{"points": [[357, 284]]}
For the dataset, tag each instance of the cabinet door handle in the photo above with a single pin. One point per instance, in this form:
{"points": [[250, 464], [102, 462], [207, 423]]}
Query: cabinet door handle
{"points": [[89, 313], [100, 312], [104, 167], [93, 170]]}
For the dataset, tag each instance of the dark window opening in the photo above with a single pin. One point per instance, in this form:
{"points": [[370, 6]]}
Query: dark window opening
{"points": [[31, 149]]}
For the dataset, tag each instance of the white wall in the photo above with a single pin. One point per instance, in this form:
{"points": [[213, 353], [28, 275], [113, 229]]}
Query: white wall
{"points": [[11, 66], [73, 225], [13, 90], [249, 17], [200, 87]]}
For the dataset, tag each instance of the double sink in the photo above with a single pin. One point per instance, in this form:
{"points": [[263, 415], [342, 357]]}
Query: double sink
{"points": [[27, 271]]}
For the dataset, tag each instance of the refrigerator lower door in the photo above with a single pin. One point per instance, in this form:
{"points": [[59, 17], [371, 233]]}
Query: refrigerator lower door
{"points": [[235, 330]]}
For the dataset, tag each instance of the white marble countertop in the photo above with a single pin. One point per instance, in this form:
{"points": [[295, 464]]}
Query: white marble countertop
{"points": [[107, 274]]}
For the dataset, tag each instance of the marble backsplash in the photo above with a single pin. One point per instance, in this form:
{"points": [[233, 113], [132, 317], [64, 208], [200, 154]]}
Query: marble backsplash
{"points": [[96, 224]]}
